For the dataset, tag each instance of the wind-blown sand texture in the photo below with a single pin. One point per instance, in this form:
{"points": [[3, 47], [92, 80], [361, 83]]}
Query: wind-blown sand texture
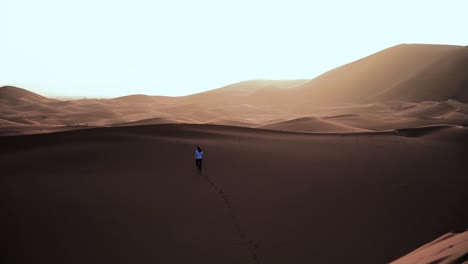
{"points": [[362, 164]]}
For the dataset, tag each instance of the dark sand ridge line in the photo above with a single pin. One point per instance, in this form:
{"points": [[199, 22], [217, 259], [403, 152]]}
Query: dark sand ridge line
{"points": [[406, 131], [18, 130], [375, 122], [423, 130], [149, 121], [311, 124]]}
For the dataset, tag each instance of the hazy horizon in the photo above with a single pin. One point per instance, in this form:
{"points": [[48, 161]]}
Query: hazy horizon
{"points": [[110, 49]]}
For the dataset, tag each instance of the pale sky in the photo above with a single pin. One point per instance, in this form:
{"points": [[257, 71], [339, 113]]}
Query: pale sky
{"points": [[109, 48]]}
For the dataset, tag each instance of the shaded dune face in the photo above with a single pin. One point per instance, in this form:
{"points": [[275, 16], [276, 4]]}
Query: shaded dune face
{"points": [[133, 195], [309, 124]]}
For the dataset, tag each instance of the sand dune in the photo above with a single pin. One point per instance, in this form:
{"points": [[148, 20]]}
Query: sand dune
{"points": [[12, 96], [403, 86], [311, 124], [423, 130], [255, 92], [140, 99], [412, 73], [264, 196], [451, 248], [360, 165], [351, 118], [429, 109], [230, 122], [443, 79], [150, 121]]}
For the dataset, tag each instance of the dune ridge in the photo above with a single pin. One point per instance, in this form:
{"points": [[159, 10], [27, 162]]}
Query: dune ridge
{"points": [[10, 95], [413, 73]]}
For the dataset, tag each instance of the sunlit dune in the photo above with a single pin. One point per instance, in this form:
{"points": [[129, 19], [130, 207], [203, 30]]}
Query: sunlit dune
{"points": [[451, 248], [413, 73]]}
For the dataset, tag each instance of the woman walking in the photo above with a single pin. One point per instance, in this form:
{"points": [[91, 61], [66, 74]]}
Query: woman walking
{"points": [[198, 158]]}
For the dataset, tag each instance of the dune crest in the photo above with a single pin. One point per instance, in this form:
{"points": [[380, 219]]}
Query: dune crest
{"points": [[14, 96], [312, 124], [413, 73]]}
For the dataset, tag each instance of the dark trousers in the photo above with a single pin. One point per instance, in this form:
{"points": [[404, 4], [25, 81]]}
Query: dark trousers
{"points": [[198, 162]]}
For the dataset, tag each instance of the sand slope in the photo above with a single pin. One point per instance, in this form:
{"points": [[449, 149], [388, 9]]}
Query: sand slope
{"points": [[412, 73], [13, 96], [311, 124], [448, 249], [132, 195]]}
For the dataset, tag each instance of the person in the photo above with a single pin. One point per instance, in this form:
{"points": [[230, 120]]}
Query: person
{"points": [[198, 158]]}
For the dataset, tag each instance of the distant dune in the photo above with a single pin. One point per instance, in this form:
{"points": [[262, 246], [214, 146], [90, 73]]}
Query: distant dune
{"points": [[140, 99], [311, 124], [255, 92], [403, 86], [150, 121], [14, 96], [413, 73]]}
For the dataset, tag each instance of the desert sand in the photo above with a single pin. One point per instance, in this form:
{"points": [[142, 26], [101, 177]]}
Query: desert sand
{"points": [[403, 86], [363, 164], [447, 249]]}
